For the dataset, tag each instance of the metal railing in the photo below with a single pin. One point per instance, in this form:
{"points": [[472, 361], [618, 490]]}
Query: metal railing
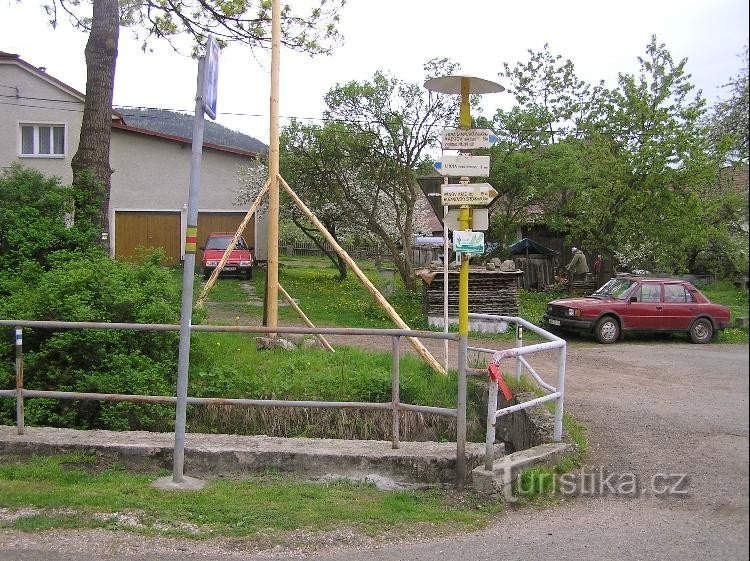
{"points": [[395, 405], [552, 393]]}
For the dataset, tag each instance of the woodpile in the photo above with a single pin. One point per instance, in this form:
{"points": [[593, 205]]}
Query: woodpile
{"points": [[490, 292]]}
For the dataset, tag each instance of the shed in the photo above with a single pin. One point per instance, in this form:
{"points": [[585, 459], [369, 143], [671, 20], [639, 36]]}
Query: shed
{"points": [[537, 262]]}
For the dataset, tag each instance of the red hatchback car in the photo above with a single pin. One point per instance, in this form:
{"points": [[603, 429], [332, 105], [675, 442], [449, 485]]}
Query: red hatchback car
{"points": [[633, 303], [240, 261]]}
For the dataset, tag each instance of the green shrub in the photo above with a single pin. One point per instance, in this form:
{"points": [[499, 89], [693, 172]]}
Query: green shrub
{"points": [[36, 214], [88, 286]]}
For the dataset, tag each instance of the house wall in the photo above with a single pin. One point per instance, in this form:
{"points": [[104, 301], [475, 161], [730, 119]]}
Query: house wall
{"points": [[152, 173], [34, 100]]}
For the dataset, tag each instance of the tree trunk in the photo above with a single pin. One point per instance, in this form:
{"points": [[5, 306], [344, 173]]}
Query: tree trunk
{"points": [[96, 128]]}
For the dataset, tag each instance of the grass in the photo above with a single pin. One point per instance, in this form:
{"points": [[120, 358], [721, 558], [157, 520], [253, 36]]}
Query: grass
{"points": [[73, 491]]}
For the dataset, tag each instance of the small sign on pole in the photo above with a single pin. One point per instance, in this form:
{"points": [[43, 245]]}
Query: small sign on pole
{"points": [[463, 166], [477, 194], [467, 139], [468, 241], [211, 77]]}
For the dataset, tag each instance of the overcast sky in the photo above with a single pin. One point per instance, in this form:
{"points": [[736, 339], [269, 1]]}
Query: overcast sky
{"points": [[601, 38]]}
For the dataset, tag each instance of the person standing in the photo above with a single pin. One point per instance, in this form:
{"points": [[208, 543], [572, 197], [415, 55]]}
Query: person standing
{"points": [[577, 268], [597, 267]]}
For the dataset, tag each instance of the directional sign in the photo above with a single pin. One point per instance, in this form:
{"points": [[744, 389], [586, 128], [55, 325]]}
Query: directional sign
{"points": [[467, 139], [480, 219], [466, 241], [463, 166], [478, 194]]}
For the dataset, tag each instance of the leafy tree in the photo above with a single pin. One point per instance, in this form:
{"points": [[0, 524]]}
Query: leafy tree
{"points": [[242, 21], [630, 170], [731, 117], [359, 169]]}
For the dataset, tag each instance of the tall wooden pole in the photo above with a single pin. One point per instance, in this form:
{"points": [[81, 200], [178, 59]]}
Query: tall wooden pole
{"points": [[272, 279]]}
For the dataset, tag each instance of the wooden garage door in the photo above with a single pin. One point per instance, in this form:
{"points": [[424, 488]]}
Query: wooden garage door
{"points": [[222, 222], [134, 230]]}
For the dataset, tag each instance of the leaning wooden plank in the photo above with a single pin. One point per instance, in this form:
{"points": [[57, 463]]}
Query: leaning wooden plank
{"points": [[416, 343], [304, 318], [228, 251]]}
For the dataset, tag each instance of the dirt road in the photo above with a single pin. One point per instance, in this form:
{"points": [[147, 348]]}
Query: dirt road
{"points": [[670, 417]]}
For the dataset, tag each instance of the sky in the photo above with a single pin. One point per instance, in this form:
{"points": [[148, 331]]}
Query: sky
{"points": [[398, 36]]}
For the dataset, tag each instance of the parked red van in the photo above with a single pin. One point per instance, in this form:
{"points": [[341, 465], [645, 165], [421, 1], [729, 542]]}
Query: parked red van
{"points": [[240, 262]]}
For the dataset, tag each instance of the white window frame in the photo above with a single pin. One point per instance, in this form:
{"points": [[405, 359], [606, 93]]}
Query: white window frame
{"points": [[37, 125]]}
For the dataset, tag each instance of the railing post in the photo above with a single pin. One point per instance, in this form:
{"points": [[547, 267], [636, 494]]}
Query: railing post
{"points": [[19, 380], [489, 443], [395, 384], [463, 344], [557, 431], [519, 343]]}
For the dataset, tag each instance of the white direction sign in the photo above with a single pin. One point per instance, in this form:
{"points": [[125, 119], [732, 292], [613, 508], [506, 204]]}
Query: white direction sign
{"points": [[478, 194], [480, 219], [467, 139], [463, 166]]}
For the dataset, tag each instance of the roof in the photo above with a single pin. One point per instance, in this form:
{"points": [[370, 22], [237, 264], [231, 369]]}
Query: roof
{"points": [[526, 244], [182, 140]]}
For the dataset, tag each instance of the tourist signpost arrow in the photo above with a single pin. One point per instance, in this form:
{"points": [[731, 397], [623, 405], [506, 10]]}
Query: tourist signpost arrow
{"points": [[463, 166], [475, 194], [467, 139]]}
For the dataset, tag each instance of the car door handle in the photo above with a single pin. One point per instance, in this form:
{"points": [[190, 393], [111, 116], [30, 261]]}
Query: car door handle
{"points": [[659, 307]]}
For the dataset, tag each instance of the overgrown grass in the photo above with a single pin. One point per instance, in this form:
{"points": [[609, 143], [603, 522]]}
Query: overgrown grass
{"points": [[726, 293], [72, 491]]}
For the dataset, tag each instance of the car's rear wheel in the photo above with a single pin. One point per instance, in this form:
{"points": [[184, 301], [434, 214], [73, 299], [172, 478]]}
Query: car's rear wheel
{"points": [[701, 331], [607, 330]]}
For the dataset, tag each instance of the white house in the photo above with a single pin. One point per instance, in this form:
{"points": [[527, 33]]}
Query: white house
{"points": [[40, 118]]}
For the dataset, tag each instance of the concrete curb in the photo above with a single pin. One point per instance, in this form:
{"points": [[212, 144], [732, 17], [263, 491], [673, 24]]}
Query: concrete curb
{"points": [[214, 456]]}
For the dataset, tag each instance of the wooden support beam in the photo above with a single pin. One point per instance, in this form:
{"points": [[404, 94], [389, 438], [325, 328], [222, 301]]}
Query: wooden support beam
{"points": [[379, 298], [304, 318]]}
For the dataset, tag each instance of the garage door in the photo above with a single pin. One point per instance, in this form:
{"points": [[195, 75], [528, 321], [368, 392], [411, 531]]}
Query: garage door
{"points": [[222, 222], [136, 230]]}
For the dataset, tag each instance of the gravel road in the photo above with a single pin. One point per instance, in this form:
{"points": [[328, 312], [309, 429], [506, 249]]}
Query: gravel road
{"points": [[654, 412]]}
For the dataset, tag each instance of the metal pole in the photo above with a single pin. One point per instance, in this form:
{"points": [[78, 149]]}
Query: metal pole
{"points": [[395, 392], [519, 343], [463, 344], [489, 442], [445, 282], [19, 380], [188, 275], [272, 278], [557, 431]]}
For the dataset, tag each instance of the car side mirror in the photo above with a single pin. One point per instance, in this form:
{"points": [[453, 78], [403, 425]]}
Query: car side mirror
{"points": [[251, 248], [202, 248], [633, 299]]}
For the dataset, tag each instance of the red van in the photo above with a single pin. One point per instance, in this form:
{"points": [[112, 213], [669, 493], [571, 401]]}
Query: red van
{"points": [[240, 262]]}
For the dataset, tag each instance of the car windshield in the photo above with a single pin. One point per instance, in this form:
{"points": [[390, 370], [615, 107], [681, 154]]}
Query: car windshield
{"points": [[614, 288], [221, 243]]}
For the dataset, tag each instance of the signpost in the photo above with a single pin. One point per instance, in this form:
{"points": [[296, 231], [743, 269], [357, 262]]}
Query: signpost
{"points": [[467, 139], [475, 194], [210, 77], [463, 166]]}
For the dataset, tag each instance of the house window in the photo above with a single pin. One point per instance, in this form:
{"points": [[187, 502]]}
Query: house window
{"points": [[42, 140]]}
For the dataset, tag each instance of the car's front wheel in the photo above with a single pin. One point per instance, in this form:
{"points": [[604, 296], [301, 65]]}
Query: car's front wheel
{"points": [[702, 331], [607, 330]]}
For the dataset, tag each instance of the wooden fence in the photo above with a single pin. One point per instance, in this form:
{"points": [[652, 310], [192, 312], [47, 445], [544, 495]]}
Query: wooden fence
{"points": [[420, 255]]}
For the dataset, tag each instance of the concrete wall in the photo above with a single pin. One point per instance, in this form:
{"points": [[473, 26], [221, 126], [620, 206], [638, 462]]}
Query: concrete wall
{"points": [[36, 101]]}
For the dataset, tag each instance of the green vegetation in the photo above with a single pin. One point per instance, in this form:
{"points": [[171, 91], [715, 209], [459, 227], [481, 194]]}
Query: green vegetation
{"points": [[74, 491]]}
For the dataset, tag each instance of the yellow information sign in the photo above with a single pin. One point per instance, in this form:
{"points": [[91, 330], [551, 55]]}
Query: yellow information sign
{"points": [[475, 194]]}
